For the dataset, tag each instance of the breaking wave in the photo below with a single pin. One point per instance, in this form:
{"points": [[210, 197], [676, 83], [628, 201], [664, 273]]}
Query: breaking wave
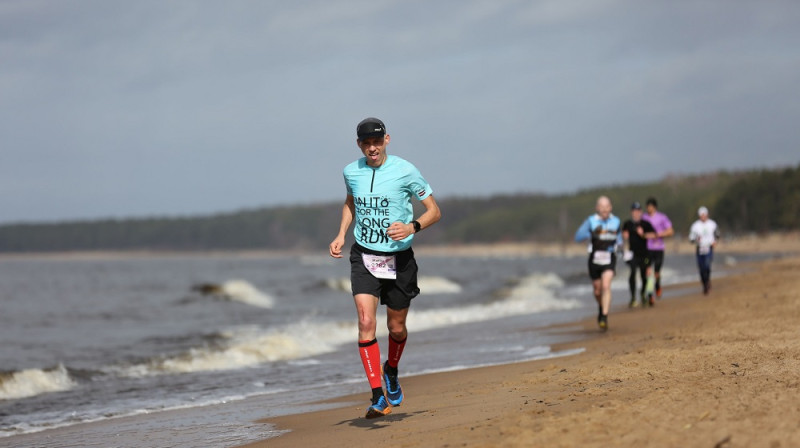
{"points": [[250, 346], [247, 347], [535, 293], [237, 291], [32, 382], [669, 276]]}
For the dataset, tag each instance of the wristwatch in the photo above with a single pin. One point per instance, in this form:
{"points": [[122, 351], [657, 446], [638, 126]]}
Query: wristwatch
{"points": [[417, 226]]}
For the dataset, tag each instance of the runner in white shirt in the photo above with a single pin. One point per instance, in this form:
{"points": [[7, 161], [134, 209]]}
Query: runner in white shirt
{"points": [[704, 235]]}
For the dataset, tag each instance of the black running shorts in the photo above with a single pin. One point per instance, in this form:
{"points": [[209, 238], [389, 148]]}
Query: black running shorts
{"points": [[394, 293], [656, 258], [596, 270]]}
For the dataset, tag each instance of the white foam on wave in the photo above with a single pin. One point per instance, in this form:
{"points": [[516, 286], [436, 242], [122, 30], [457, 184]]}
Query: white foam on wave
{"points": [[533, 294], [243, 291], [250, 346], [338, 284], [427, 284], [438, 285], [669, 276], [32, 382]]}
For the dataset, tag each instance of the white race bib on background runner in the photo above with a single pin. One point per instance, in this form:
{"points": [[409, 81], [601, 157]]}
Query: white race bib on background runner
{"points": [[601, 257], [381, 266]]}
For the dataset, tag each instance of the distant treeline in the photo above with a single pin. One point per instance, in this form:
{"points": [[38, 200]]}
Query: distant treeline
{"points": [[740, 202]]}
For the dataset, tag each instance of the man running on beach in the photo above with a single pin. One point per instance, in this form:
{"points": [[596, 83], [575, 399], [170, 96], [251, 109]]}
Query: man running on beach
{"points": [[382, 265], [636, 231], [655, 246], [704, 234], [605, 233]]}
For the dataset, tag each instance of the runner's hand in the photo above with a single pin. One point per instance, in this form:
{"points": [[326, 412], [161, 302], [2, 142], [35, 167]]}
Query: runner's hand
{"points": [[335, 248], [399, 231]]}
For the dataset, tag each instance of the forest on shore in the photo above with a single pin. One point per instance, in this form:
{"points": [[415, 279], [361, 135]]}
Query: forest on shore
{"points": [[742, 202]]}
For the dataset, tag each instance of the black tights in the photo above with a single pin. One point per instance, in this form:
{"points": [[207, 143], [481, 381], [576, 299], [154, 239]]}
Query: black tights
{"points": [[637, 264]]}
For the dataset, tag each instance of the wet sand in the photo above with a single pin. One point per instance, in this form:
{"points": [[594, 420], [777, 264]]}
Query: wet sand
{"points": [[721, 370]]}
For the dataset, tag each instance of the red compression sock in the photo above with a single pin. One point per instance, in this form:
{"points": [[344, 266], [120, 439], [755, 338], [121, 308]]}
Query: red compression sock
{"points": [[395, 351], [371, 358]]}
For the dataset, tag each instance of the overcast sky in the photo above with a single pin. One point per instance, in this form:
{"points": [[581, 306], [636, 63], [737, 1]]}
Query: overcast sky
{"points": [[171, 108]]}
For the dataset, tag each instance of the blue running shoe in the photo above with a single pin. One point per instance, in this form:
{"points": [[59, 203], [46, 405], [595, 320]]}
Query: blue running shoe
{"points": [[379, 409], [394, 393]]}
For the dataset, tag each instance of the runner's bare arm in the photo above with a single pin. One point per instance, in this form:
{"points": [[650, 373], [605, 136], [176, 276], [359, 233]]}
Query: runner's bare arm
{"points": [[348, 212]]}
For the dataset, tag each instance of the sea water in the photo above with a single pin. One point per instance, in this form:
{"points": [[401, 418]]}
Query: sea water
{"points": [[100, 339]]}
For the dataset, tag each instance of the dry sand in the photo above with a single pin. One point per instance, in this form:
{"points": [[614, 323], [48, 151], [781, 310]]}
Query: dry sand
{"points": [[698, 371]]}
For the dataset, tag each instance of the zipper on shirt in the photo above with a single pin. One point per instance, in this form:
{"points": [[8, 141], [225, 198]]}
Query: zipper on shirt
{"points": [[372, 182]]}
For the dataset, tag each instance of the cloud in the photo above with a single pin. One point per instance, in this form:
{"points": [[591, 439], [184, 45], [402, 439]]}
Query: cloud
{"points": [[139, 108]]}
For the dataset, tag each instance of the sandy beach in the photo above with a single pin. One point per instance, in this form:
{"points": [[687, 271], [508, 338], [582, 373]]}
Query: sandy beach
{"points": [[721, 370]]}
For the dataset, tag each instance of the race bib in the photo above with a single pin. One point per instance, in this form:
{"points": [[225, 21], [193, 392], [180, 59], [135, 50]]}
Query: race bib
{"points": [[703, 250], [601, 257], [381, 266]]}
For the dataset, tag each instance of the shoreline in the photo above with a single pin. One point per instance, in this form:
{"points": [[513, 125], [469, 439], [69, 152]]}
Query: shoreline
{"points": [[778, 243], [696, 370]]}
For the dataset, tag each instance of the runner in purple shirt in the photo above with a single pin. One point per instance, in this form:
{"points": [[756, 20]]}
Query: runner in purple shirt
{"points": [[655, 246]]}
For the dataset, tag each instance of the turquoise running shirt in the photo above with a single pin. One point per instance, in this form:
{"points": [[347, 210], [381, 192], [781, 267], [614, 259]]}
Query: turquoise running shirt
{"points": [[382, 196]]}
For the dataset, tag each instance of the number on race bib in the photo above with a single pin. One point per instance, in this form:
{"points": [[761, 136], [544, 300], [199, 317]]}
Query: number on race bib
{"points": [[381, 266], [601, 257]]}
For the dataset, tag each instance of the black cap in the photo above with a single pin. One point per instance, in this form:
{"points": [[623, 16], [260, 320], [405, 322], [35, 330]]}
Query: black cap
{"points": [[636, 206], [370, 127]]}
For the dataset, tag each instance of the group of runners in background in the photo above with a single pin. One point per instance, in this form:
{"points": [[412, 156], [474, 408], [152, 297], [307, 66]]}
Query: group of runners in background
{"points": [[645, 232]]}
